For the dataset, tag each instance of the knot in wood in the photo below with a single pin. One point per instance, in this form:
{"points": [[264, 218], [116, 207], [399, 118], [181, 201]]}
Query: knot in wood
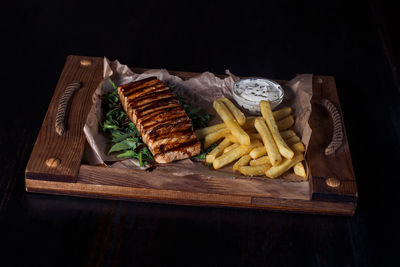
{"points": [[85, 62], [332, 182], [53, 162]]}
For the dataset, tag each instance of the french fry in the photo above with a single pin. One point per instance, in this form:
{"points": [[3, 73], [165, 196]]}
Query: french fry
{"points": [[269, 118], [260, 161], [282, 113], [292, 140], [212, 138], [284, 166], [231, 123], [237, 113], [299, 170], [201, 133], [243, 161], [299, 147], [232, 138], [254, 170], [285, 123], [231, 147], [268, 140], [234, 154], [218, 150], [287, 134], [258, 152]]}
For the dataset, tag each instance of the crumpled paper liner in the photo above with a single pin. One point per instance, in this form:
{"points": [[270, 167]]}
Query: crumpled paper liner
{"points": [[199, 91]]}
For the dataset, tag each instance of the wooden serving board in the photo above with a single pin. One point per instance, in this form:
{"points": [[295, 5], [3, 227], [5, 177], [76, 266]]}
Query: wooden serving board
{"points": [[55, 165]]}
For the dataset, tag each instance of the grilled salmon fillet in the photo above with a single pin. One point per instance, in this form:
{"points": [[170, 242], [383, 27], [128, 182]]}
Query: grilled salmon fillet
{"points": [[160, 119]]}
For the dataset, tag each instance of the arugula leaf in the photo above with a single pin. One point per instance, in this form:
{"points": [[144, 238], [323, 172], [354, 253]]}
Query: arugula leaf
{"points": [[125, 136], [199, 120]]}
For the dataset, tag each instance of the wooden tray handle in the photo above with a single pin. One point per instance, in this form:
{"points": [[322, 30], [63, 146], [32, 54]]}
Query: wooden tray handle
{"points": [[62, 107], [337, 135]]}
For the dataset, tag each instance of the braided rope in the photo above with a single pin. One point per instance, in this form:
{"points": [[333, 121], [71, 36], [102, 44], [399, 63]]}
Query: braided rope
{"points": [[337, 136], [63, 105]]}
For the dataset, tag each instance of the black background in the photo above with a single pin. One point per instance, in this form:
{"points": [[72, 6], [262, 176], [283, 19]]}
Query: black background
{"points": [[356, 43]]}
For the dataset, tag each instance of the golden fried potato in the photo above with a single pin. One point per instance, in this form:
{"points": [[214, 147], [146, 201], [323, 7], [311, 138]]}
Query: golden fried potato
{"points": [[260, 161], [282, 113], [254, 170], [237, 113], [299, 170], [231, 123], [212, 138], [235, 145], [285, 123], [243, 161], [292, 140], [269, 119], [218, 150], [287, 134], [258, 152], [233, 154], [268, 140], [284, 166], [299, 147], [201, 133]]}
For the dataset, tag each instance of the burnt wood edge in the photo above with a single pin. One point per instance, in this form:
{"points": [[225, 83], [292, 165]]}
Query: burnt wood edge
{"points": [[258, 203]]}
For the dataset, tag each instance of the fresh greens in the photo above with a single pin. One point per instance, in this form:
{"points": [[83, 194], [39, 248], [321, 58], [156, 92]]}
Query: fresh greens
{"points": [[199, 120], [125, 136]]}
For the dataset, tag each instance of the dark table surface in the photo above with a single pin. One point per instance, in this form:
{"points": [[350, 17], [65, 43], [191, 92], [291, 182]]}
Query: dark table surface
{"points": [[354, 43]]}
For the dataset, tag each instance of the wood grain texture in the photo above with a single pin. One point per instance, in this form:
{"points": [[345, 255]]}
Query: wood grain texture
{"points": [[312, 196], [337, 165], [189, 198], [165, 180], [68, 148]]}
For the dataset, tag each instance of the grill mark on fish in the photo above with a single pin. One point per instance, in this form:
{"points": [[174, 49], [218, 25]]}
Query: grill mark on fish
{"points": [[126, 87], [153, 105], [148, 127], [142, 91], [158, 112], [135, 103], [163, 129], [160, 119], [157, 108], [162, 116]]}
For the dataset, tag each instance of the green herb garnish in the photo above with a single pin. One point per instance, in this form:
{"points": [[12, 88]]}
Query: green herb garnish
{"points": [[198, 120], [125, 136]]}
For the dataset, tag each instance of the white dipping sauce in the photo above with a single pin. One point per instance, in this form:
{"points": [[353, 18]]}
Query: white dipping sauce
{"points": [[249, 92]]}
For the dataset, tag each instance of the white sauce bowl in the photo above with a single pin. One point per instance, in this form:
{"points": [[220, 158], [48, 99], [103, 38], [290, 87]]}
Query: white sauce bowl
{"points": [[250, 91]]}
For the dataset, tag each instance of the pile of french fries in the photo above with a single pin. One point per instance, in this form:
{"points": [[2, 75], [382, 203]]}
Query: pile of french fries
{"points": [[259, 145]]}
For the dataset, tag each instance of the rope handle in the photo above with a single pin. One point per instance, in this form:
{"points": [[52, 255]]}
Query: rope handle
{"points": [[63, 106], [337, 136]]}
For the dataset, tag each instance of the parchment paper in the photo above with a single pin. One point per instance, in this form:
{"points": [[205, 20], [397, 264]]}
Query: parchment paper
{"points": [[199, 91]]}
